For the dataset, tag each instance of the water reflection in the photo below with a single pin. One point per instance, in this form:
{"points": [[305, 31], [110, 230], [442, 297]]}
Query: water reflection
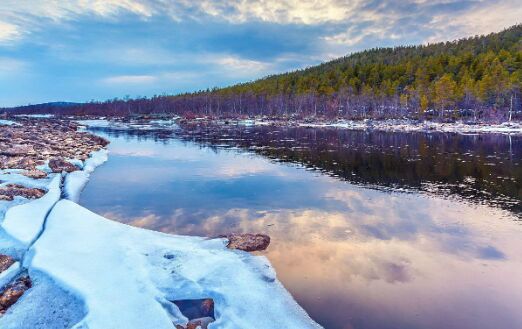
{"points": [[480, 168], [353, 257]]}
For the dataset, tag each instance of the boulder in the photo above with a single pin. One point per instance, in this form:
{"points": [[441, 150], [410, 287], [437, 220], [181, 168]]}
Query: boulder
{"points": [[247, 241], [13, 292], [35, 173], [59, 165], [9, 191], [5, 262]]}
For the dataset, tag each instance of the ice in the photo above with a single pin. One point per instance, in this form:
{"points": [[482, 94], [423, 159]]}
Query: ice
{"points": [[25, 222], [14, 176], [97, 123], [7, 122], [9, 274], [118, 269], [75, 181], [411, 126], [45, 306]]}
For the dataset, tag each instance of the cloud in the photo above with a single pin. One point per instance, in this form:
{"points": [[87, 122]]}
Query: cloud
{"points": [[8, 32], [130, 79], [240, 65], [10, 67]]}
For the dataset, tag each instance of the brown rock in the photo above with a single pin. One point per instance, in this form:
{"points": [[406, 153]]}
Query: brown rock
{"points": [[22, 163], [35, 173], [199, 323], [9, 191], [15, 150], [59, 165], [5, 262], [247, 241], [13, 292]]}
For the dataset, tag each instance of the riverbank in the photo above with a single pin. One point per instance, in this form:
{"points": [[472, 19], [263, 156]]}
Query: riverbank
{"points": [[111, 275], [405, 125]]}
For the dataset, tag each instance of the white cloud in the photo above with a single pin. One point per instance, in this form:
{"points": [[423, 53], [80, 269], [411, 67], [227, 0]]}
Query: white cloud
{"points": [[492, 17], [8, 32], [10, 67], [240, 65], [435, 20], [130, 79]]}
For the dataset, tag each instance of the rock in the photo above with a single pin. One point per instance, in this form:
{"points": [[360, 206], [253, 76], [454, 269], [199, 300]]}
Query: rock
{"points": [[35, 173], [13, 292], [5, 262], [196, 308], [247, 241], [9, 191], [59, 165], [200, 323], [15, 150], [22, 163]]}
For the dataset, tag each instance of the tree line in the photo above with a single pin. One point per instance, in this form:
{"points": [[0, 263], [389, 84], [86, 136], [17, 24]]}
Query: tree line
{"points": [[476, 78]]}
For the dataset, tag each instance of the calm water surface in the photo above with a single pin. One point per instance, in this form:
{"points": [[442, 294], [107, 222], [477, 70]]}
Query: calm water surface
{"points": [[369, 229]]}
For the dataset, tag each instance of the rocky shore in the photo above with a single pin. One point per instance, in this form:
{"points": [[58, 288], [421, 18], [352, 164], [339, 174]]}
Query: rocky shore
{"points": [[36, 149], [55, 252]]}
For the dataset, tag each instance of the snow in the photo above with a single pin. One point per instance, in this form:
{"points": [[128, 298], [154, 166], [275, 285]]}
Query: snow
{"points": [[98, 123], [36, 116], [75, 181], [25, 222], [7, 122], [118, 269], [9, 274], [426, 126], [45, 306]]}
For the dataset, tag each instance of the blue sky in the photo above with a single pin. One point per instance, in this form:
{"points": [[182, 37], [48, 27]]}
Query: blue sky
{"points": [[79, 50]]}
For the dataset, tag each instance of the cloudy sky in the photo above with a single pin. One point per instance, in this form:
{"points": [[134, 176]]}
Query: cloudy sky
{"points": [[78, 50]]}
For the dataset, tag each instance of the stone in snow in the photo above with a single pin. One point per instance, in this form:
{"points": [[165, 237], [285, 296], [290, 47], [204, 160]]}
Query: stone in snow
{"points": [[5, 262], [59, 165], [35, 173], [13, 292], [247, 241], [9, 191]]}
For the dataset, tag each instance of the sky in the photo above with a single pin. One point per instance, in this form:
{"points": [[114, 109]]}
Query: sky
{"points": [[82, 50]]}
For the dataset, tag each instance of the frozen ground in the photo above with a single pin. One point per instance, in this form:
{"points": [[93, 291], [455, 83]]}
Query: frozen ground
{"points": [[90, 272], [385, 125], [427, 126]]}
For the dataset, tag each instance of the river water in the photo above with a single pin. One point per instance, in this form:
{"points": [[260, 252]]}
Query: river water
{"points": [[369, 229]]}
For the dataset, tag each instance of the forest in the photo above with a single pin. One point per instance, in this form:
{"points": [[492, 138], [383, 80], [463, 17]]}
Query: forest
{"points": [[474, 79]]}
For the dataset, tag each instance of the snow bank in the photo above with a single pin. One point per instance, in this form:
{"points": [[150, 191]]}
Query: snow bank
{"points": [[9, 274], [75, 181], [426, 126], [7, 122], [25, 222], [126, 276]]}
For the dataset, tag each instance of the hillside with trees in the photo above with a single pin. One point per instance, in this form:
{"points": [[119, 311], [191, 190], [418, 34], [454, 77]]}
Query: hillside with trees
{"points": [[476, 78]]}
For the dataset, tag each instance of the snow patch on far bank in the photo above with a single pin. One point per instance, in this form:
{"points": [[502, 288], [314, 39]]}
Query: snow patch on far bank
{"points": [[426, 126], [7, 123]]}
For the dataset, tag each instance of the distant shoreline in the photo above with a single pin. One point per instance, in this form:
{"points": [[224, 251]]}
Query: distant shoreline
{"points": [[391, 125]]}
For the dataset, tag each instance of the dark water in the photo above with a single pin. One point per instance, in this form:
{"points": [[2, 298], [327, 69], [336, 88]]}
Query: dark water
{"points": [[369, 229]]}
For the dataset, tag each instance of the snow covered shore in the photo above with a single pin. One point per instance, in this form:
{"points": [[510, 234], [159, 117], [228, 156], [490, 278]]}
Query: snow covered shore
{"points": [[90, 272], [383, 125], [426, 126]]}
